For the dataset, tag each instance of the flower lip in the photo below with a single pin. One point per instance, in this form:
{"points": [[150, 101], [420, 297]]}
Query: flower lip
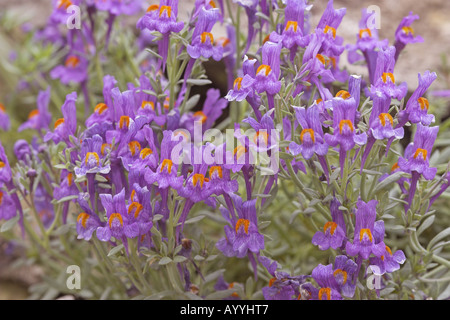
{"points": [[395, 167], [325, 291], [135, 147], [137, 207], [100, 108], [237, 82], [408, 30], [2, 107], [114, 216], [291, 24], [267, 69], [243, 222], [386, 75], [104, 146], [167, 9], [347, 123], [321, 59], [383, 117], [259, 134], [64, 3], [423, 102], [224, 41], [330, 225], [70, 179], [92, 154], [124, 120], [342, 273], [216, 169], [239, 151], [204, 35], [343, 94], [153, 7], [198, 177], [145, 153], [167, 163], [422, 152], [363, 232], [389, 250], [72, 61], [83, 217], [144, 104], [200, 114], [2, 164], [59, 122], [307, 131], [33, 113], [328, 29], [365, 31]]}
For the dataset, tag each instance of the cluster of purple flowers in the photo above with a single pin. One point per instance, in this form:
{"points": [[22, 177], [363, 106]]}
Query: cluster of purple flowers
{"points": [[126, 167]]}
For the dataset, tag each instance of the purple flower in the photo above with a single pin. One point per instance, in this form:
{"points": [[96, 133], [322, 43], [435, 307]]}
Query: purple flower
{"points": [[405, 34], [344, 270], [242, 235], [212, 110], [328, 24], [416, 109], [384, 80], [388, 262], [268, 73], [367, 42], [147, 157], [381, 122], [329, 288], [364, 242], [334, 232], [87, 221], [5, 169], [5, 123], [140, 209], [197, 188], [8, 208], [344, 135], [43, 205], [202, 44], [104, 111], [118, 223], [66, 126], [282, 286], [40, 118], [67, 186], [74, 69], [238, 92], [166, 174], [419, 156], [420, 151], [22, 151], [221, 285], [311, 136], [314, 65], [162, 18], [60, 15], [292, 35], [92, 157]]}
